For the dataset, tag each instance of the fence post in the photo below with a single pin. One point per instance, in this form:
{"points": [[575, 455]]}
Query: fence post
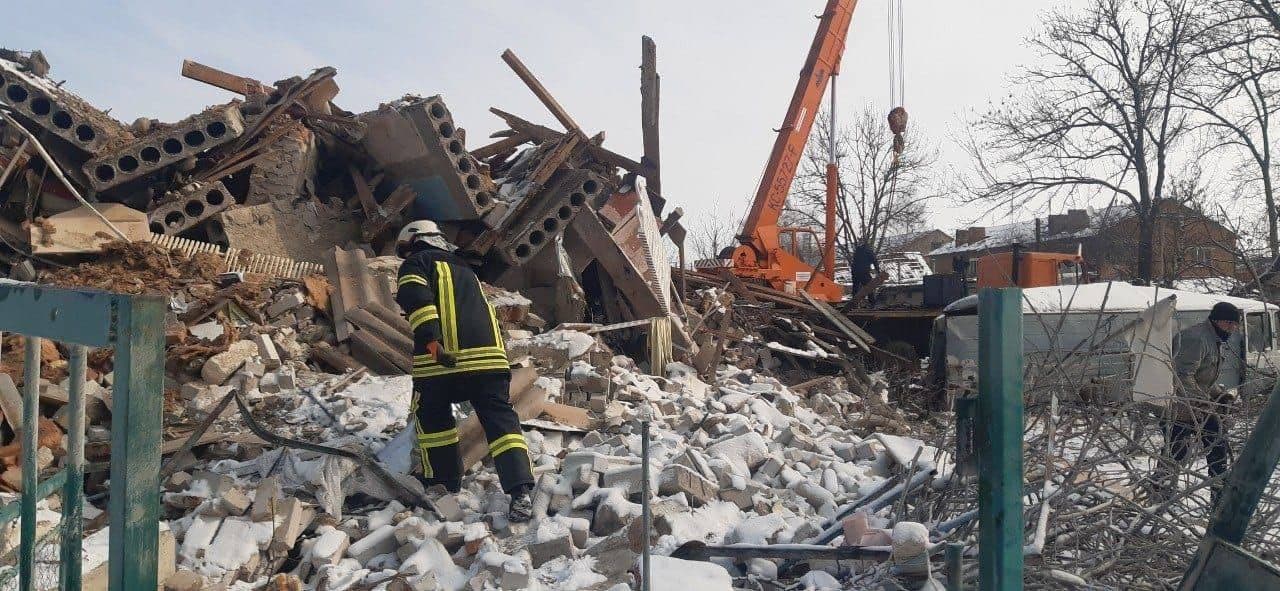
{"points": [[999, 439], [30, 473], [135, 442], [73, 488]]}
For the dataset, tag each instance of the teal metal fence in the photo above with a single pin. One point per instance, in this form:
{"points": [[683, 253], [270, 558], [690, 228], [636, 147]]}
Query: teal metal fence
{"points": [[134, 327], [999, 439]]}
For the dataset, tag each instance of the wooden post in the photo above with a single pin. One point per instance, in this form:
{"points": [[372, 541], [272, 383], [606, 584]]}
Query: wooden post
{"points": [[649, 93], [999, 445], [540, 91]]}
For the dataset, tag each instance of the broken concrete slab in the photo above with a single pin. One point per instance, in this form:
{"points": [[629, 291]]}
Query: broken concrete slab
{"points": [[301, 233], [79, 231], [165, 146], [186, 208], [57, 110], [289, 164], [417, 143]]}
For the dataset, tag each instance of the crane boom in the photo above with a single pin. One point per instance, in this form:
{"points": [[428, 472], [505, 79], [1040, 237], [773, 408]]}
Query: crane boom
{"points": [[761, 255], [822, 63]]}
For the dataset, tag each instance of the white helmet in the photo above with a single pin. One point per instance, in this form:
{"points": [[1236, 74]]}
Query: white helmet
{"points": [[424, 231]]}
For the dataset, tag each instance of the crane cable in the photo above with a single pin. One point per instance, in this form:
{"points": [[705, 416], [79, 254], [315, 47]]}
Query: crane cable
{"points": [[897, 96]]}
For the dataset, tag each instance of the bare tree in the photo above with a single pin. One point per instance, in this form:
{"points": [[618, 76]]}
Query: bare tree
{"points": [[1099, 117], [1264, 12], [713, 234], [877, 197], [1236, 92]]}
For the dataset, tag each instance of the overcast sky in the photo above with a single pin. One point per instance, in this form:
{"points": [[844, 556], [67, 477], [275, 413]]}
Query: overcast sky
{"points": [[728, 67]]}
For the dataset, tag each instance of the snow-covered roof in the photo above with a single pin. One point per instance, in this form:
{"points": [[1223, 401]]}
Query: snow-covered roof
{"points": [[1024, 232], [1113, 296], [1208, 285], [908, 268], [897, 241]]}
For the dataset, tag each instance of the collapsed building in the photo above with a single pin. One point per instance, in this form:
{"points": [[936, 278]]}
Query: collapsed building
{"points": [[269, 223]]}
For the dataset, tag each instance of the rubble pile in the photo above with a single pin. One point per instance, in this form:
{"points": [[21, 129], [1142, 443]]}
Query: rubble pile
{"points": [[738, 459]]}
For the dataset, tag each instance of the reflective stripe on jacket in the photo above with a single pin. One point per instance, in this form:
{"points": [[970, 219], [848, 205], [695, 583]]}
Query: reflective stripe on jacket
{"points": [[442, 299]]}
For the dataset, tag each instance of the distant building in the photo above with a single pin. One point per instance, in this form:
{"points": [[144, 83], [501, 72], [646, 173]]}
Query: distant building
{"points": [[922, 242], [1187, 244]]}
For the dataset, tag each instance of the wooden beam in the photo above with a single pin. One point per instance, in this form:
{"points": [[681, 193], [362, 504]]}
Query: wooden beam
{"points": [[546, 134], [224, 80], [389, 211], [363, 192], [540, 91], [649, 93], [501, 146], [553, 161]]}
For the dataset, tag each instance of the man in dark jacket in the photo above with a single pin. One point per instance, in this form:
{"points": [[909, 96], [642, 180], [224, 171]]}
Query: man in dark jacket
{"points": [[458, 355], [861, 267], [1196, 411]]}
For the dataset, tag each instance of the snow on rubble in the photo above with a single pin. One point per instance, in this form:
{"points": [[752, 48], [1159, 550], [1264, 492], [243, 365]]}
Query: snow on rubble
{"points": [[737, 457]]}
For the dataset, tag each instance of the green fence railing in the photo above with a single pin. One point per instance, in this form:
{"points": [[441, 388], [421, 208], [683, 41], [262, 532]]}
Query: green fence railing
{"points": [[134, 327]]}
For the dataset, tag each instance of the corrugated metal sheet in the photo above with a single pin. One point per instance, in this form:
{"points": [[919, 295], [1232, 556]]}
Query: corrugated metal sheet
{"points": [[353, 287]]}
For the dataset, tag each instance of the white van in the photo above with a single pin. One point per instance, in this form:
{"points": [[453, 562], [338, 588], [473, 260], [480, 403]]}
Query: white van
{"points": [[1112, 339]]}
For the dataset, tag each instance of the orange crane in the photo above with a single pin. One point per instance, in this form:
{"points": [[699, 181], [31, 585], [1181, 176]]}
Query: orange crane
{"points": [[761, 256]]}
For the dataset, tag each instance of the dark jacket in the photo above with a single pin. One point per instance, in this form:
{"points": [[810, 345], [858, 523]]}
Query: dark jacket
{"points": [[1197, 360], [442, 299]]}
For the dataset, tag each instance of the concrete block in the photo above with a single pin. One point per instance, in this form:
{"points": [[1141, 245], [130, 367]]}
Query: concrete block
{"points": [[771, 467], [416, 142], [269, 384], [286, 380], [267, 351], [614, 556], [301, 233], [281, 176], [744, 497], [379, 541], [165, 146], [266, 498], [527, 232], [234, 502], [629, 478], [184, 580], [284, 302], [613, 516], [220, 367], [254, 368], [452, 536], [294, 516], [552, 540], [59, 111], [329, 547], [184, 209], [678, 479], [450, 509]]}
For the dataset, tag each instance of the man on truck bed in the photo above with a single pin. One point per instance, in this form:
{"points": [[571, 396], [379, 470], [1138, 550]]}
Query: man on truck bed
{"points": [[458, 355], [1196, 411]]}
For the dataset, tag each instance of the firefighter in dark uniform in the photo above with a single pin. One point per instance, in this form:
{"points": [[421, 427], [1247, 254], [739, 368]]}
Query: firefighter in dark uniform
{"points": [[458, 355]]}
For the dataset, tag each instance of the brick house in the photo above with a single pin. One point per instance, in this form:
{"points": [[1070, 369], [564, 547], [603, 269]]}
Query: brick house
{"points": [[1187, 244], [924, 241]]}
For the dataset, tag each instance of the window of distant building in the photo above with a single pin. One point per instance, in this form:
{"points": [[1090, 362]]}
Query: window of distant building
{"points": [[1199, 254]]}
